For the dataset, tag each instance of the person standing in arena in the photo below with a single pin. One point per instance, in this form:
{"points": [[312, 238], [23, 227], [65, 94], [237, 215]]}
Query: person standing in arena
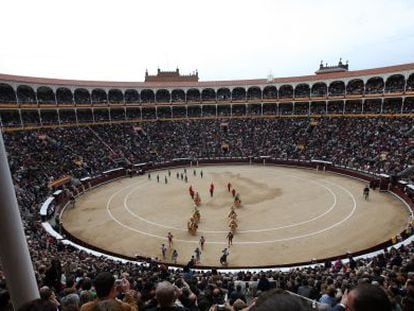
{"points": [[366, 193], [163, 251], [223, 258], [229, 186], [170, 239], [197, 253], [211, 190], [229, 238], [174, 256], [202, 241]]}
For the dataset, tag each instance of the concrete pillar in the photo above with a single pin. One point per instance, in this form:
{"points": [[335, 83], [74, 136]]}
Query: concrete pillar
{"points": [[14, 252]]}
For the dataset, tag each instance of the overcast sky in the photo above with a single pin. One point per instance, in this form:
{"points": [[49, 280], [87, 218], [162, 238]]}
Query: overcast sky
{"points": [[223, 39]]}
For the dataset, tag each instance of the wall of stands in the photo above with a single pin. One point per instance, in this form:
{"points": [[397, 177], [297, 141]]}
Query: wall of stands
{"points": [[383, 181]]}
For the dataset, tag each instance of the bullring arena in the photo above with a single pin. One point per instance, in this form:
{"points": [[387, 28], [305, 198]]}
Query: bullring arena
{"points": [[287, 216]]}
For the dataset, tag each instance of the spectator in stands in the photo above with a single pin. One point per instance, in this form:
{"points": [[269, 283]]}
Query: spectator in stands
{"points": [[365, 297], [106, 290], [279, 300]]}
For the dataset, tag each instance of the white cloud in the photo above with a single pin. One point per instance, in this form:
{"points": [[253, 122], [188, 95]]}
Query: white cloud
{"points": [[118, 40]]}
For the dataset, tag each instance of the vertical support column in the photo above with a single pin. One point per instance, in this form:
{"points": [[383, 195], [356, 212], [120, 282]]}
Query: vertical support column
{"points": [[76, 116], [362, 108], [58, 114], [17, 97], [54, 94], [14, 253], [40, 116], [21, 118], [382, 105], [156, 113], [109, 114], [402, 104]]}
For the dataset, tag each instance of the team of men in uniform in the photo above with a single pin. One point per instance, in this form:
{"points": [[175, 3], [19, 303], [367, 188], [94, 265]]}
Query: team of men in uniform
{"points": [[195, 218]]}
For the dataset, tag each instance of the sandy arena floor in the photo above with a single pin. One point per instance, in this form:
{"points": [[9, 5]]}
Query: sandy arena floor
{"points": [[288, 215]]}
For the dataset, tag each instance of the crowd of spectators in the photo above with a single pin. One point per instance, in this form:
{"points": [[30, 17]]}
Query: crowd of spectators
{"points": [[70, 277]]}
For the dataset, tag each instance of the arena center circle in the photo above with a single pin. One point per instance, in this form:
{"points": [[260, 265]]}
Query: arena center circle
{"points": [[288, 215]]}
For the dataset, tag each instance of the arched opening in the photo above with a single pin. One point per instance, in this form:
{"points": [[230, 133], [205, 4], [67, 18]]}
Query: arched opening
{"points": [[408, 105], [147, 96], [7, 94], [117, 114], [254, 93], [374, 85], [302, 90], [64, 96], [355, 87], [26, 95], [193, 95], [395, 84], [209, 110], [223, 94], [45, 96], [99, 97], [131, 96], [372, 106], [270, 92], [208, 95], [82, 97], [148, 113], [162, 96], [319, 90], [84, 115], [270, 109], [115, 96], [336, 107], [239, 110], [301, 108], [194, 111], [223, 110], [178, 96], [254, 109], [10, 118], [392, 105], [30, 117], [133, 113], [286, 91], [337, 88], [101, 115], [238, 93], [353, 106], [410, 83], [164, 112], [179, 112], [67, 116], [49, 117], [318, 108], [286, 108]]}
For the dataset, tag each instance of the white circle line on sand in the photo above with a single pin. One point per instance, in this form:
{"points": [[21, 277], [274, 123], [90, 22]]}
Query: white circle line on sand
{"points": [[243, 242], [239, 231]]}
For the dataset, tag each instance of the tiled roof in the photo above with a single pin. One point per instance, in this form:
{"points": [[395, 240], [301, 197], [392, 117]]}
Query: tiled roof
{"points": [[205, 84]]}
